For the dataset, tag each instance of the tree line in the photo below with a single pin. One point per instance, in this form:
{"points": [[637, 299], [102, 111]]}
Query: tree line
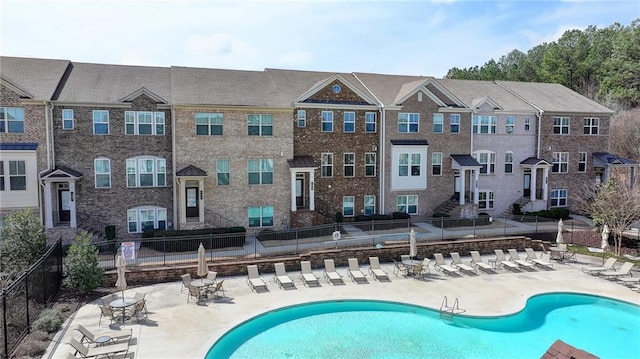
{"points": [[601, 64]]}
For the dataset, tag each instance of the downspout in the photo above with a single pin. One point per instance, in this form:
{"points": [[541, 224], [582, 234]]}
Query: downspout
{"points": [[173, 165], [539, 116], [48, 130]]}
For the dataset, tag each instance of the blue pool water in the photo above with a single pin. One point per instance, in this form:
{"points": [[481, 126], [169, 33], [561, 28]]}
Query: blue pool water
{"points": [[373, 329]]}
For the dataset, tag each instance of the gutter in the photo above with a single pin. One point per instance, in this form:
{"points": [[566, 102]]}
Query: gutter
{"points": [[173, 165], [49, 151]]}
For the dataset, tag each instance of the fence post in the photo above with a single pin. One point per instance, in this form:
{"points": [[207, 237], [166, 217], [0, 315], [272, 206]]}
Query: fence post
{"points": [[4, 322], [297, 242], [536, 224], [26, 291], [571, 238], [442, 228], [505, 225], [474, 227], [164, 250]]}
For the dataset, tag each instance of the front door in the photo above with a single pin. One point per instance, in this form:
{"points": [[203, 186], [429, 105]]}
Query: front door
{"points": [[527, 185], [64, 205], [193, 202], [299, 193], [456, 187]]}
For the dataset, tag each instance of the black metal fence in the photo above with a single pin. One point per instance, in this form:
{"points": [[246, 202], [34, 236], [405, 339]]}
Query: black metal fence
{"points": [[27, 296]]}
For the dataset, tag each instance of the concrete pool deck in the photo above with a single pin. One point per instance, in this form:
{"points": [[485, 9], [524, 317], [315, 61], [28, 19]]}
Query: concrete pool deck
{"points": [[175, 329]]}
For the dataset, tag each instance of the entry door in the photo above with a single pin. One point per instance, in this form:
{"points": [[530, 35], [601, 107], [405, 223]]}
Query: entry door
{"points": [[299, 193], [64, 205], [527, 185], [193, 202], [456, 187]]}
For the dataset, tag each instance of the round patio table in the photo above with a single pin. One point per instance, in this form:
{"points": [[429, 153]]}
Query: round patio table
{"points": [[123, 303]]}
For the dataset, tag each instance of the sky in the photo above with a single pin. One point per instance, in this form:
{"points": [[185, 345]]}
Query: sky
{"points": [[426, 37]]}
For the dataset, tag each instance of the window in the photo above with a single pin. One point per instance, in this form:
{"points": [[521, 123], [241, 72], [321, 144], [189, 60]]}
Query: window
{"points": [[438, 123], [348, 203], [527, 124], [349, 165], [508, 162], [484, 124], [560, 162], [102, 172], [222, 169], [409, 164], [582, 162], [1, 175], [436, 163], [327, 121], [510, 122], [17, 176], [143, 219], [260, 216], [209, 124], [146, 172], [591, 126], [454, 120], [260, 125], [369, 205], [100, 122], [349, 122], [327, 165], [485, 199], [12, 119], [561, 125], [408, 122], [487, 160], [143, 123], [407, 204], [67, 119], [260, 171], [559, 198], [370, 164], [302, 118], [370, 122]]}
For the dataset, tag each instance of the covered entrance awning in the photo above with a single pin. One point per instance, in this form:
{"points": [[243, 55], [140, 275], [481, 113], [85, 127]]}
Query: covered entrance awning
{"points": [[535, 164], [464, 163], [65, 198], [606, 161], [302, 170], [191, 194]]}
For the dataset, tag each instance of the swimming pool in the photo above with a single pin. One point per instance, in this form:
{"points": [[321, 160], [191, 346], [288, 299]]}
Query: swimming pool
{"points": [[376, 329]]}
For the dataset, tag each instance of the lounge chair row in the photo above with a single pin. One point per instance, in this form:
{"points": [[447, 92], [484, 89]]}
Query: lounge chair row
{"points": [[308, 278], [104, 343], [622, 275]]}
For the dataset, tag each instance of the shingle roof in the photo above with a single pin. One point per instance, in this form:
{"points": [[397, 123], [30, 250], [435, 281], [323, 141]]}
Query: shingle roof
{"points": [[191, 171], [38, 77], [466, 160], [387, 87], [18, 146], [606, 158], [302, 162], [410, 142], [100, 83], [470, 91], [551, 97]]}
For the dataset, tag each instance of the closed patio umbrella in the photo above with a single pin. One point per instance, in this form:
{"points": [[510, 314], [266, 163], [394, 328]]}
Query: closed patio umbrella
{"points": [[203, 269], [605, 241], [559, 238], [413, 247], [121, 266]]}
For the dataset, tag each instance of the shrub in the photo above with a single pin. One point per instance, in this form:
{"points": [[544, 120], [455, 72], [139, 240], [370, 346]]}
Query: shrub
{"points": [[373, 217], [556, 213], [33, 346], [83, 272], [339, 217], [516, 209], [49, 320], [400, 215], [441, 214]]}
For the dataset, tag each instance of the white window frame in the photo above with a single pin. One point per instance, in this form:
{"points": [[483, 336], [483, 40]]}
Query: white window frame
{"points": [[591, 125], [407, 204], [349, 162], [486, 199], [212, 121], [370, 122], [508, 162], [2, 176], [263, 122], [67, 119], [349, 117], [454, 123], [135, 170], [510, 124], [17, 175], [484, 124], [100, 121], [370, 164], [438, 123], [436, 163], [136, 119], [327, 120], [220, 171], [369, 205], [408, 122], [582, 162], [410, 162], [265, 216], [488, 161], [326, 167], [102, 168], [302, 118], [134, 218], [264, 168], [558, 197], [348, 202], [560, 162], [561, 125], [17, 118], [527, 124]]}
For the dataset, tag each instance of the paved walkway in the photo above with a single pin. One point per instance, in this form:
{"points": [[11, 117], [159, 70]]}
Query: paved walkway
{"points": [[175, 329]]}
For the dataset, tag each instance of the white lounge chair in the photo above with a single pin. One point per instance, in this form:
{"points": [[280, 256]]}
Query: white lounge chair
{"points": [[531, 257], [307, 275], [607, 266], [501, 259], [330, 274], [625, 271], [515, 257], [476, 261], [354, 271], [629, 282], [456, 261], [94, 352], [442, 266], [254, 280], [114, 335], [281, 277], [375, 270]]}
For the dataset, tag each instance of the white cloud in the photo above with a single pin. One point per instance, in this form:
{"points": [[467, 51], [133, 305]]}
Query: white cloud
{"points": [[219, 50]]}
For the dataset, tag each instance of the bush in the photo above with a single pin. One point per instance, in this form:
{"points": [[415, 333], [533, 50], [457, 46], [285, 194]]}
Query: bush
{"points": [[110, 232], [400, 215], [373, 217], [339, 217], [556, 213], [83, 272], [33, 346], [49, 320], [441, 214], [516, 209]]}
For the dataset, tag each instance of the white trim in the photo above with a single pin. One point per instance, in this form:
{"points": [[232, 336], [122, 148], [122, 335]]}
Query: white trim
{"points": [[337, 77]]}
